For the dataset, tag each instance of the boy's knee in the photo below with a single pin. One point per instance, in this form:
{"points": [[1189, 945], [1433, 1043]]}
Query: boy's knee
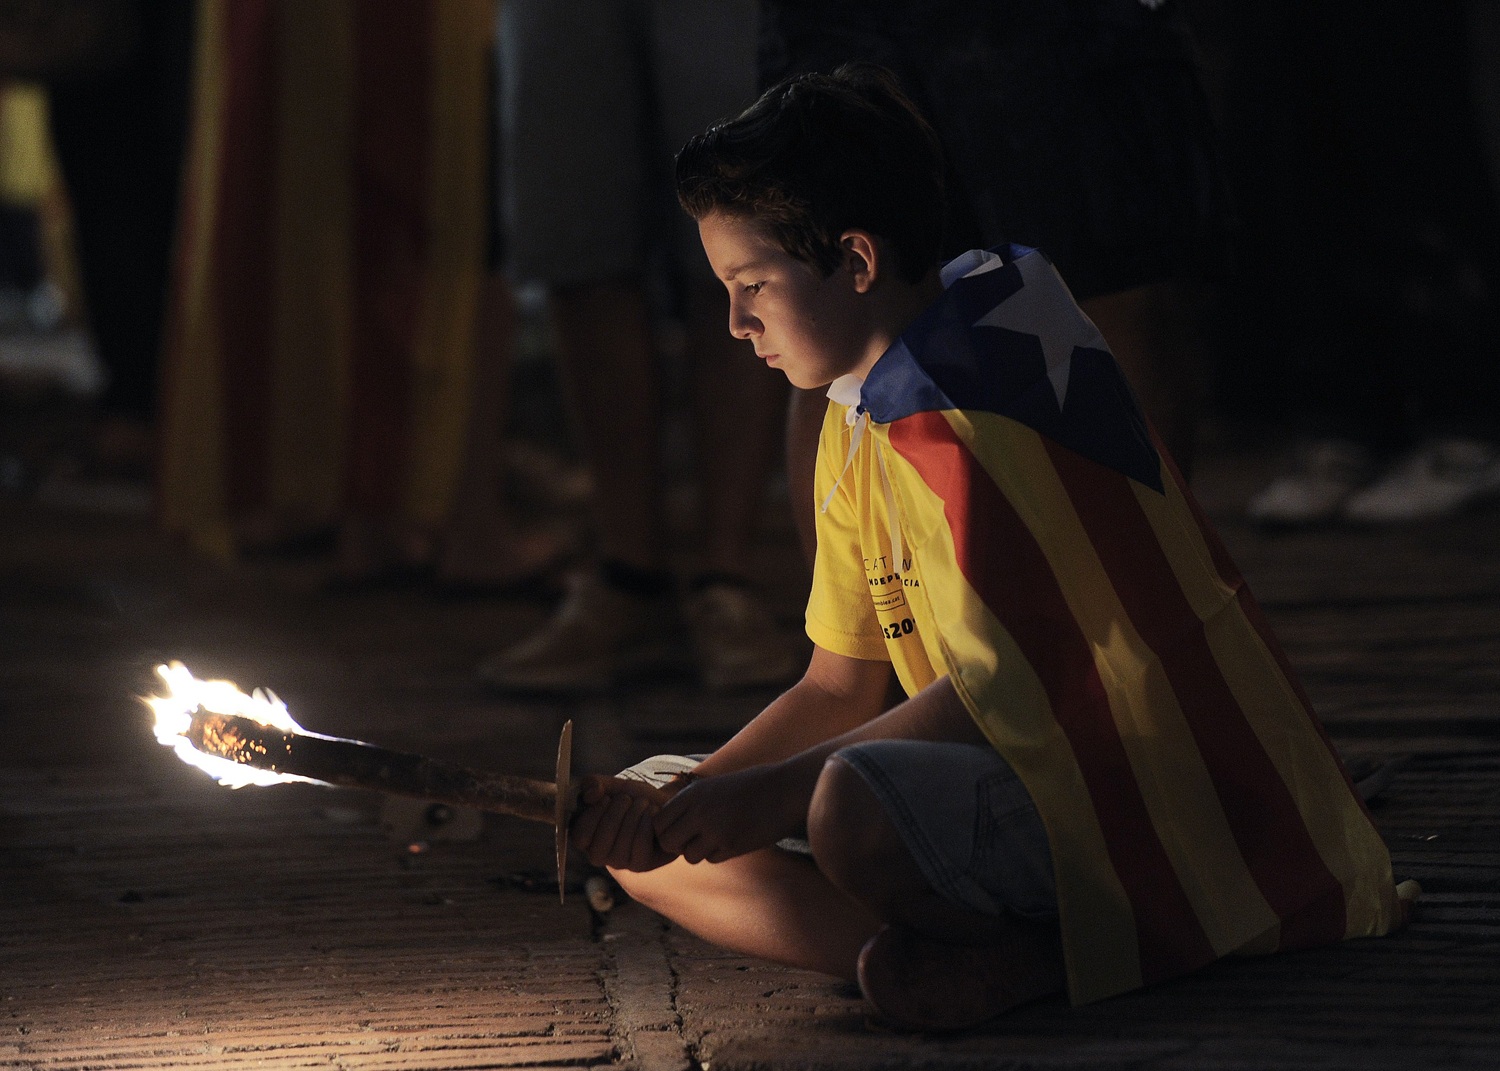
{"points": [[846, 827], [837, 781]]}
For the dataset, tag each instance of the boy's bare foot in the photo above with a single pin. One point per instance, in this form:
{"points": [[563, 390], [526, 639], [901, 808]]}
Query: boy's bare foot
{"points": [[921, 984]]}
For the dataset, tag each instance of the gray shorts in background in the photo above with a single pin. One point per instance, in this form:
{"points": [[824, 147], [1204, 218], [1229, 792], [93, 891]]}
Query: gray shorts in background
{"points": [[596, 97], [961, 811]]}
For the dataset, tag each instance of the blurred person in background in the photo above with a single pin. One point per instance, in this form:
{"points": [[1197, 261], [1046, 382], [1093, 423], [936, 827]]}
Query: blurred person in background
{"points": [[26, 171], [339, 345], [119, 137], [117, 75], [1369, 271], [1079, 128], [596, 97]]}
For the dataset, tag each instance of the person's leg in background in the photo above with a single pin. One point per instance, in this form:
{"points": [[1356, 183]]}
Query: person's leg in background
{"points": [[574, 180], [737, 404], [580, 217], [1369, 236], [482, 548], [119, 138], [1432, 188]]}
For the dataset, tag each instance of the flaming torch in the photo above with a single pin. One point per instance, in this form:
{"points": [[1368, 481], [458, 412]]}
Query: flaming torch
{"points": [[241, 739]]}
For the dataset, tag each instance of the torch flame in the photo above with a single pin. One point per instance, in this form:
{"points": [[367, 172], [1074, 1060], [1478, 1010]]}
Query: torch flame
{"points": [[186, 694]]}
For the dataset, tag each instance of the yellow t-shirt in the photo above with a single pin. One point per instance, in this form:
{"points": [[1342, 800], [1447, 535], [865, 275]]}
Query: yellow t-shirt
{"points": [[863, 604]]}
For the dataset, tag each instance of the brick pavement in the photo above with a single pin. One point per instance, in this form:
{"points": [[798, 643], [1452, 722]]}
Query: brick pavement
{"points": [[152, 920]]}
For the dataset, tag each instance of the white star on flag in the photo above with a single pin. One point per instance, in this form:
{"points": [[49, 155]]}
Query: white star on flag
{"points": [[1044, 299]]}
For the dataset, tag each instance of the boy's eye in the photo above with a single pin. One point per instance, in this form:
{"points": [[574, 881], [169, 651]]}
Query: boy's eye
{"points": [[753, 288]]}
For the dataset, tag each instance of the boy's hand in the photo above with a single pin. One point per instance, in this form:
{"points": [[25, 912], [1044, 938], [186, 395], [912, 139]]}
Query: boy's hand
{"points": [[613, 823], [730, 814]]}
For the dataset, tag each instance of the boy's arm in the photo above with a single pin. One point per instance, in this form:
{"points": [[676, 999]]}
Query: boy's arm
{"points": [[742, 808], [835, 695], [614, 824]]}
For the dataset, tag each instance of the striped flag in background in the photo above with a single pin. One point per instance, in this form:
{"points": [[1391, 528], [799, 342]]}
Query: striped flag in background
{"points": [[330, 256], [1100, 634]]}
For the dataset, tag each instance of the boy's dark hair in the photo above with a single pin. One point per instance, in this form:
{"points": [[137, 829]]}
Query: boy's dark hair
{"points": [[818, 154]]}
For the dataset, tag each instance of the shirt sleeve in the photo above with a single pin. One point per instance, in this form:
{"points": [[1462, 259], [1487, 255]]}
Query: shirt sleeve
{"points": [[840, 615]]}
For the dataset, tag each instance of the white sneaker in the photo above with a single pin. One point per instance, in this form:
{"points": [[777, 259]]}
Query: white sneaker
{"points": [[1328, 471], [1440, 478], [737, 641]]}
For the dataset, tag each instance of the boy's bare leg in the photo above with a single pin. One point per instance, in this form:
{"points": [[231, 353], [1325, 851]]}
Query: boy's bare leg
{"points": [[770, 904], [939, 965], [864, 912], [607, 360]]}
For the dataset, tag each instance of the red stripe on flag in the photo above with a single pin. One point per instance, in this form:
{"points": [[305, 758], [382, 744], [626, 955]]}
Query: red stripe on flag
{"points": [[1229, 573], [1003, 563], [243, 269], [1262, 814], [391, 146], [1251, 608], [1309, 928]]}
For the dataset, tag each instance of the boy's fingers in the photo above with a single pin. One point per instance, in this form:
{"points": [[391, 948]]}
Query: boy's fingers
{"points": [[644, 852], [672, 837], [593, 788], [585, 823], [627, 844], [668, 825], [602, 848], [609, 798], [695, 850]]}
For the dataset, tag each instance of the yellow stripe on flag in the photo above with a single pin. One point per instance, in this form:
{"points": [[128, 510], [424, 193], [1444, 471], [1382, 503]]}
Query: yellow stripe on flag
{"points": [[1348, 843], [192, 493], [1008, 701], [313, 271], [457, 199], [1168, 767]]}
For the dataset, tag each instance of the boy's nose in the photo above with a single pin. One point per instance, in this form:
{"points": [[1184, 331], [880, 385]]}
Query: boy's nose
{"points": [[741, 323], [744, 326]]}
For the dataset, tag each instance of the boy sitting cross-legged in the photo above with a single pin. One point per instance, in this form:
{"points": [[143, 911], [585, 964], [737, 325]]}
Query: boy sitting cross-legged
{"points": [[1104, 774]]}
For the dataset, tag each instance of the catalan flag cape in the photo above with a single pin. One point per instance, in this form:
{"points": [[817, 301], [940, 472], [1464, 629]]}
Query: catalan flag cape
{"points": [[997, 510], [330, 260]]}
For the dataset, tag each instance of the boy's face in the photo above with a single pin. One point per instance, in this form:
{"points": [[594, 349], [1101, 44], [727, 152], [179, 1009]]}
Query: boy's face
{"points": [[813, 329]]}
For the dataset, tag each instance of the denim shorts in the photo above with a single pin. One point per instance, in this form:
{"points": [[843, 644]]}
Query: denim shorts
{"points": [[961, 811]]}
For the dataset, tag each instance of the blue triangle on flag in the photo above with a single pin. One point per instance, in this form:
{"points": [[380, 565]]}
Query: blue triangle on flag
{"points": [[944, 361]]}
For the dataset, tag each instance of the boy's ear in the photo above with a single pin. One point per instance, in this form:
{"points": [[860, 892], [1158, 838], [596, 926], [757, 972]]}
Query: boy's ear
{"points": [[863, 258]]}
